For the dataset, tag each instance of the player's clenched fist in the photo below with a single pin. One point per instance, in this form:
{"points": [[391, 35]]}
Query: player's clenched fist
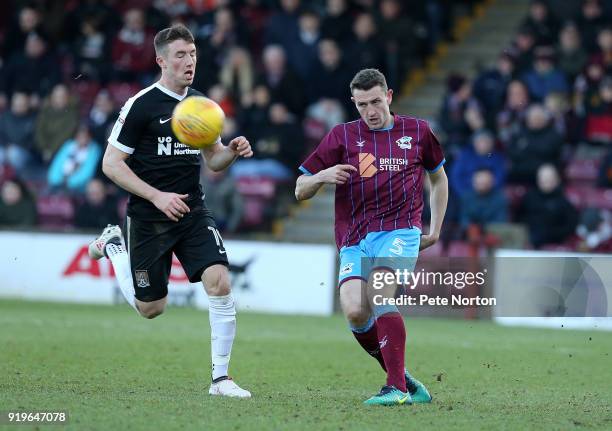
{"points": [[171, 204], [338, 174], [241, 146]]}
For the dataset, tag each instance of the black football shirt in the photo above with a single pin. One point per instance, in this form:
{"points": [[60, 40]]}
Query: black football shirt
{"points": [[156, 155]]}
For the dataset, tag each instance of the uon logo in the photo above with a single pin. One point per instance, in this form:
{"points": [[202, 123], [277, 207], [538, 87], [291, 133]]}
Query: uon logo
{"points": [[164, 146], [366, 165]]}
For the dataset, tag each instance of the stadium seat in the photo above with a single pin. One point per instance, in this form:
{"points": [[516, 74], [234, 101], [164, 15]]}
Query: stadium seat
{"points": [[120, 92], [87, 92], [599, 128], [580, 171], [258, 194], [589, 197], [55, 211], [598, 198]]}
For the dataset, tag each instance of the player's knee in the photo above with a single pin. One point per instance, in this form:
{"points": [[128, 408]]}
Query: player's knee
{"points": [[357, 315], [151, 313], [150, 310], [216, 282]]}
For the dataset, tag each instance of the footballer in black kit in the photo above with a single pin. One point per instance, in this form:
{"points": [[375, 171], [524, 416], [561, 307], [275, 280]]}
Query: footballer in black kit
{"points": [[157, 157], [166, 211]]}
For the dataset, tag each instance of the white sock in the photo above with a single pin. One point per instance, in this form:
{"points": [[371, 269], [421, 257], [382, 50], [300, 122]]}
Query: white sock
{"points": [[123, 272], [222, 315]]}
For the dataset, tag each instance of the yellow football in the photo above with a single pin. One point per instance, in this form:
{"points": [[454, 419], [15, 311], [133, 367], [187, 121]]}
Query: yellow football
{"points": [[197, 121]]}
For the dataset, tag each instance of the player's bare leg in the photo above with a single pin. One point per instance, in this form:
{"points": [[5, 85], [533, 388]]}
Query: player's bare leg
{"points": [[222, 316]]}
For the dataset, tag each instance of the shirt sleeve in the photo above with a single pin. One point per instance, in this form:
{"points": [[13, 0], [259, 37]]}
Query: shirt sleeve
{"points": [[127, 129], [433, 157], [326, 155]]}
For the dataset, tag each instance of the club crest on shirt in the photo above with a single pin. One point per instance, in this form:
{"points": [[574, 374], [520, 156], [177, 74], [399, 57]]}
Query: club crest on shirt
{"points": [[404, 142], [347, 268], [142, 278]]}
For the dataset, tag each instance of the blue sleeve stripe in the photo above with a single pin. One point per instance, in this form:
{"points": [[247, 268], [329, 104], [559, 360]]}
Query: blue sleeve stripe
{"points": [[305, 171], [437, 167]]}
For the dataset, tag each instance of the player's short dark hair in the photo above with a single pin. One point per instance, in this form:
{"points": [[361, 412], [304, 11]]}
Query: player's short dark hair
{"points": [[168, 35], [367, 79]]}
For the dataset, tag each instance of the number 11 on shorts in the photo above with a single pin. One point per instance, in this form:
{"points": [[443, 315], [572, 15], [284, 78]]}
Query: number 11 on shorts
{"points": [[218, 238]]}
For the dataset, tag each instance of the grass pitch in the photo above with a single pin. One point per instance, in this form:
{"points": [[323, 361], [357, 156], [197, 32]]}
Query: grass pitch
{"points": [[113, 370]]}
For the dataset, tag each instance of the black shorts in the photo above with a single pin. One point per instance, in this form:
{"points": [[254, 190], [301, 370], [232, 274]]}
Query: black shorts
{"points": [[194, 239]]}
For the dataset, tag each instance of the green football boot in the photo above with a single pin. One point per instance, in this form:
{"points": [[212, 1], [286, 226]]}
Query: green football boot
{"points": [[389, 396], [418, 391]]}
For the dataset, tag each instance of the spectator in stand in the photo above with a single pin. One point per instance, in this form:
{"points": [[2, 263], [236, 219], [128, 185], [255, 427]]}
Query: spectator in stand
{"points": [[544, 78], [595, 230], [219, 94], [105, 15], [563, 119], [480, 155], [604, 54], [28, 23], [284, 85], [237, 75], [57, 121], [403, 39], [255, 15], [452, 115], [17, 205], [34, 71], [279, 145], [599, 114], [589, 23], [541, 23], [17, 133], [223, 198], [550, 217], [102, 117], [331, 77], [214, 43], [328, 112], [522, 50], [302, 51], [75, 163], [133, 54], [539, 143], [98, 209], [586, 87], [365, 51], [91, 52], [283, 24], [491, 85], [571, 55], [511, 118], [254, 114], [338, 22], [483, 203], [605, 171]]}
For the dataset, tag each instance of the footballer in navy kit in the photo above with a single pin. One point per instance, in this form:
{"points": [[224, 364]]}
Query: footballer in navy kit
{"points": [[166, 211]]}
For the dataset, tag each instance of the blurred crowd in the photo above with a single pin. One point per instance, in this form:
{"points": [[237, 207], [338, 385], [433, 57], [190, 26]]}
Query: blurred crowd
{"points": [[279, 69], [530, 139]]}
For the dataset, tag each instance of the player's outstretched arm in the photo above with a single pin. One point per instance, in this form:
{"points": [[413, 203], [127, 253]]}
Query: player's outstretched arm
{"points": [[437, 201], [308, 185], [219, 156], [115, 168]]}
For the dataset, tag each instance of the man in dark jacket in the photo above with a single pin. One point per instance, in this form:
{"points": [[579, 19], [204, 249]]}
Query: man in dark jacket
{"points": [[550, 217], [537, 144]]}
